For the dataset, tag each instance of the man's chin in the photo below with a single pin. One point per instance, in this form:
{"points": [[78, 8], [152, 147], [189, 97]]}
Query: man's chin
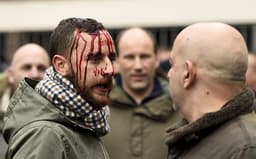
{"points": [[100, 101], [139, 84]]}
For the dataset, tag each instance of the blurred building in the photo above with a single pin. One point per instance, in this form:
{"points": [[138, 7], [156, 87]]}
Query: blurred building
{"points": [[23, 21]]}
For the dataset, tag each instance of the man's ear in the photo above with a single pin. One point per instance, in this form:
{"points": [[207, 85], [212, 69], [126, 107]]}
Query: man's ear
{"points": [[189, 74], [61, 65]]}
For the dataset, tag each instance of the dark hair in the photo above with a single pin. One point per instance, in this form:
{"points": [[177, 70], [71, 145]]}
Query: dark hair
{"points": [[63, 36]]}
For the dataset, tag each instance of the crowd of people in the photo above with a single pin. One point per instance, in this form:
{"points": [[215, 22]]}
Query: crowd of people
{"points": [[97, 97]]}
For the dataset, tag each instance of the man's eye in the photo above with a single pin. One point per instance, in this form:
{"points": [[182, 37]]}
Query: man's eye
{"points": [[41, 68], [26, 67], [128, 57], [95, 59], [145, 56]]}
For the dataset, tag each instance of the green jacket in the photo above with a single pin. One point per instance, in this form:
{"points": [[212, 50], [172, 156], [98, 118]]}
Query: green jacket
{"points": [[35, 129], [137, 131], [229, 133]]}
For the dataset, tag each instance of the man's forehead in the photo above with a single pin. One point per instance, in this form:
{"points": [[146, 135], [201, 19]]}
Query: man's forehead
{"points": [[96, 41], [103, 35]]}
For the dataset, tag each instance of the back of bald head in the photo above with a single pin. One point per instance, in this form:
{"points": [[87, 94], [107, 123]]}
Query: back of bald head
{"points": [[217, 49], [25, 49]]}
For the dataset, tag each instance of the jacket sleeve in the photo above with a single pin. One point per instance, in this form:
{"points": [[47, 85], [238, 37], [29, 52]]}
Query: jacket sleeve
{"points": [[247, 152], [36, 143]]}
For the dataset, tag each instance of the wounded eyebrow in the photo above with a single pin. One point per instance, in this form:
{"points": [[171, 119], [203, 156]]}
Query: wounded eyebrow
{"points": [[94, 55]]}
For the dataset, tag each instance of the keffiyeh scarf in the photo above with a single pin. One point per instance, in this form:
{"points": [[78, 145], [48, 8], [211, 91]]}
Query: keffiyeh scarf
{"points": [[61, 92]]}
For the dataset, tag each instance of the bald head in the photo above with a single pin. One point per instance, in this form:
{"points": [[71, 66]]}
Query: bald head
{"points": [[135, 35], [218, 49], [209, 62], [30, 60]]}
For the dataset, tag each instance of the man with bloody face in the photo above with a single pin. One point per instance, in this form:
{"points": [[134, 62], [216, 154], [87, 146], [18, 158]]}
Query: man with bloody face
{"points": [[65, 114]]}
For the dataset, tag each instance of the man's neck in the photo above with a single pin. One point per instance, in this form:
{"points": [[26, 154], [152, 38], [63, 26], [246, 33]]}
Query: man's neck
{"points": [[138, 96], [209, 100]]}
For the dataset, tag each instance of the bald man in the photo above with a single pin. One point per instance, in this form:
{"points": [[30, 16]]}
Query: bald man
{"points": [[29, 60], [207, 85]]}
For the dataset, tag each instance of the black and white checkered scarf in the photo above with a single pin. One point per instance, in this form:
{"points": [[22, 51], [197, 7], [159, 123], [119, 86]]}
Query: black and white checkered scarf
{"points": [[63, 95]]}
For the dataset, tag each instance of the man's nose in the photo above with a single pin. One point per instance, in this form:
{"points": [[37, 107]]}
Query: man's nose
{"points": [[137, 63], [109, 68]]}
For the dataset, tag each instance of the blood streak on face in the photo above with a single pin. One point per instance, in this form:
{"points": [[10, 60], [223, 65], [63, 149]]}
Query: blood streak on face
{"points": [[91, 51], [109, 42], [79, 54], [100, 71], [110, 46]]}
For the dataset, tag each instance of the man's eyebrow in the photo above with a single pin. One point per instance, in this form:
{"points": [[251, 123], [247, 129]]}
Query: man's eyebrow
{"points": [[93, 54]]}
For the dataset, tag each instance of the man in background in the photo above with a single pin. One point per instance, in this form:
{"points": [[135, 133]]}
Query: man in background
{"points": [[29, 60], [251, 74], [140, 104]]}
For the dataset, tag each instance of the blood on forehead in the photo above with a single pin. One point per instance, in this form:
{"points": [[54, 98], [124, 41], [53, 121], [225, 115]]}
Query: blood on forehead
{"points": [[107, 40]]}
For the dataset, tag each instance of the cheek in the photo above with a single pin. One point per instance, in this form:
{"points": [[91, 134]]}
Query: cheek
{"points": [[41, 73], [173, 78], [19, 77], [125, 65], [24, 74]]}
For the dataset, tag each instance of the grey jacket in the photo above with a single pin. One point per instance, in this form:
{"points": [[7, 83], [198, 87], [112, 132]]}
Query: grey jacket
{"points": [[36, 129], [229, 133]]}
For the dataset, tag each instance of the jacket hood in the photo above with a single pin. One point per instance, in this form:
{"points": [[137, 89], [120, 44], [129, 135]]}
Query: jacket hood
{"points": [[240, 104], [27, 106]]}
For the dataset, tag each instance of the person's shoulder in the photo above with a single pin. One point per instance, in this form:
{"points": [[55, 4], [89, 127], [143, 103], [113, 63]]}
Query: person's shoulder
{"points": [[247, 122], [42, 128], [245, 136], [240, 129]]}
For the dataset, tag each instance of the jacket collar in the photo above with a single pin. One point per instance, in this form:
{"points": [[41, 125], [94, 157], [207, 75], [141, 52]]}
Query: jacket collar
{"points": [[157, 107], [240, 104], [157, 89]]}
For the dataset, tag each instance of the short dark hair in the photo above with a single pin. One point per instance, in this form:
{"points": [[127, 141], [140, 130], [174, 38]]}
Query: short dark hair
{"points": [[63, 36]]}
